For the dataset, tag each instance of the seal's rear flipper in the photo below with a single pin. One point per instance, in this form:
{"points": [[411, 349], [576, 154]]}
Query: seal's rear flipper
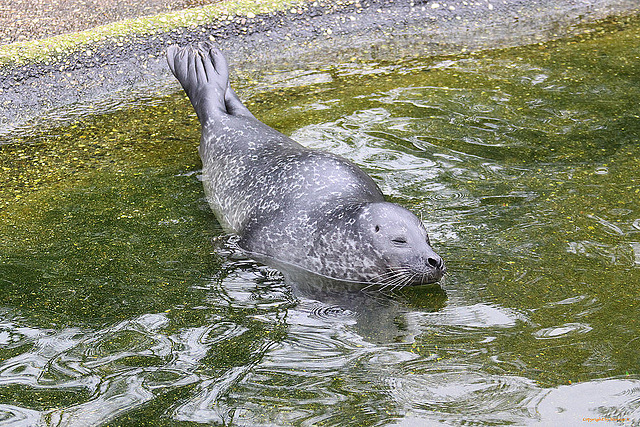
{"points": [[204, 76], [234, 105]]}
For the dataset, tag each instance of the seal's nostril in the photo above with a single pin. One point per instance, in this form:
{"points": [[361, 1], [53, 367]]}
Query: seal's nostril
{"points": [[436, 263]]}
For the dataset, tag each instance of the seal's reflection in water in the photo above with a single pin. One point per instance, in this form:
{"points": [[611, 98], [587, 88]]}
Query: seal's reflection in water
{"points": [[375, 312], [378, 312]]}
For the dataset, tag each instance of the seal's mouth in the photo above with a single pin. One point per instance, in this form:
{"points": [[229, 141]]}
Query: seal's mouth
{"points": [[409, 275], [431, 277], [426, 278]]}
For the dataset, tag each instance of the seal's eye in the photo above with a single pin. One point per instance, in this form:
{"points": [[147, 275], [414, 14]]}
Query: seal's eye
{"points": [[377, 228], [399, 241]]}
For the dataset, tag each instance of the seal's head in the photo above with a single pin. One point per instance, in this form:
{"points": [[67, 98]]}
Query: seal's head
{"points": [[400, 240], [377, 243]]}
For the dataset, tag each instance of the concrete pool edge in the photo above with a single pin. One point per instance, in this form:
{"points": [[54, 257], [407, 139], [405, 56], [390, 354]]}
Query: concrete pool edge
{"points": [[111, 67], [54, 49]]}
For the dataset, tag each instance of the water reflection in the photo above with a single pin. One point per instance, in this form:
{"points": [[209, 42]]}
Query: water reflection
{"points": [[375, 315]]}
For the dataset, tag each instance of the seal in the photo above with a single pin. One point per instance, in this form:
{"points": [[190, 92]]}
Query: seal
{"points": [[292, 206]]}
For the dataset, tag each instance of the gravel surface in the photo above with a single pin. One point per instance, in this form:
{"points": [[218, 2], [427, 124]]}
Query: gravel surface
{"points": [[23, 20]]}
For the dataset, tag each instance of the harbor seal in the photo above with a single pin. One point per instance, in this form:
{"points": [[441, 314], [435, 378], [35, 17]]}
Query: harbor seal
{"points": [[292, 206]]}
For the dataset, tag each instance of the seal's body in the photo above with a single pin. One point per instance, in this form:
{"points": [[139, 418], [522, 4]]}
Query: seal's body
{"points": [[299, 207]]}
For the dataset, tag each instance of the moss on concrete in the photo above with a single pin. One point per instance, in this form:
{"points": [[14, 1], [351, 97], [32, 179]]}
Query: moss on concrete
{"points": [[55, 48]]}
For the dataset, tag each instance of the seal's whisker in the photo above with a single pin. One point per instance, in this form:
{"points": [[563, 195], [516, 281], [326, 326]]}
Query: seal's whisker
{"points": [[400, 280], [389, 278], [390, 272], [389, 281], [403, 282], [394, 272]]}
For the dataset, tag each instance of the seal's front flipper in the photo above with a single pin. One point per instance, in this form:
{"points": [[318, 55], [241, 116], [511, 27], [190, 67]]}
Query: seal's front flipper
{"points": [[204, 76]]}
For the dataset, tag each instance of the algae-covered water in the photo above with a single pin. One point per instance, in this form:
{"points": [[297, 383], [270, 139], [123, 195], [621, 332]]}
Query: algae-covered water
{"points": [[120, 306]]}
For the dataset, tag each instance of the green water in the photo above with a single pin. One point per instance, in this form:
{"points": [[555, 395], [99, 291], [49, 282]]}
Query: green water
{"points": [[117, 308]]}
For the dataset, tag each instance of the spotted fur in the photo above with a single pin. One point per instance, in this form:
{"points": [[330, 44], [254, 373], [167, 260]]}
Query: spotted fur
{"points": [[298, 207]]}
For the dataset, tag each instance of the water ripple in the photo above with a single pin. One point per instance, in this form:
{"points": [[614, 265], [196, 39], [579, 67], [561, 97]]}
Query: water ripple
{"points": [[464, 395], [331, 312], [120, 367], [616, 400], [617, 254], [475, 316], [15, 416], [562, 331]]}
